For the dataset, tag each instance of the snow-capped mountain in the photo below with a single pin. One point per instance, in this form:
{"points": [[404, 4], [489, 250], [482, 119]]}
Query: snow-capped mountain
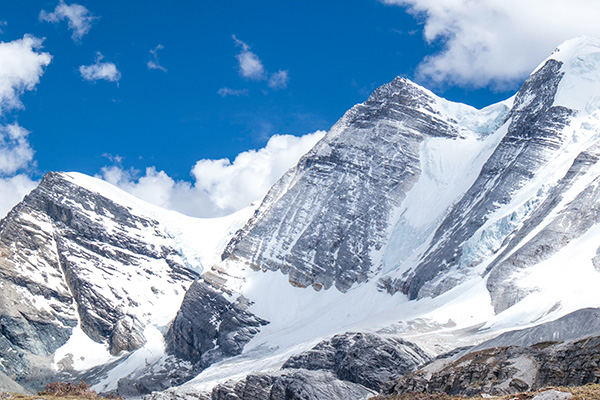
{"points": [[414, 217], [425, 194], [88, 273]]}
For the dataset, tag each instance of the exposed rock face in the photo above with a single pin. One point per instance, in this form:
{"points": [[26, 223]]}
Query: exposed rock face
{"points": [[208, 327], [7, 385], [504, 370], [327, 222], [321, 222], [71, 256], [290, 384], [364, 358], [535, 133], [573, 221], [293, 384], [348, 366]]}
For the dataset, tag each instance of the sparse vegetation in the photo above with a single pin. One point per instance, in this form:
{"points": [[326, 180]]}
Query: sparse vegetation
{"points": [[586, 392], [62, 390]]}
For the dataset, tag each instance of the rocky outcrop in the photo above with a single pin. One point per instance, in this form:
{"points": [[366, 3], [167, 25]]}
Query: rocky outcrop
{"points": [[290, 384], [503, 370], [7, 385], [282, 385], [208, 327], [347, 366], [364, 358]]}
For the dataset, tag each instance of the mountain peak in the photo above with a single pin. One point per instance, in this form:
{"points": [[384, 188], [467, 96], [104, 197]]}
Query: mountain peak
{"points": [[580, 85]]}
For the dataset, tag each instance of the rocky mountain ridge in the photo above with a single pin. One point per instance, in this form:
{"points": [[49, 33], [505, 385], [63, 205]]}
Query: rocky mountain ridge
{"points": [[414, 219], [504, 370]]}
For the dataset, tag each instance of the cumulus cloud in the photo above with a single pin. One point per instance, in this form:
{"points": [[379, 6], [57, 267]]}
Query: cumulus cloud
{"points": [[79, 18], [155, 63], [21, 66], [13, 190], [279, 80], [250, 66], [100, 70], [16, 155], [497, 42], [221, 186], [223, 92], [15, 151], [232, 185]]}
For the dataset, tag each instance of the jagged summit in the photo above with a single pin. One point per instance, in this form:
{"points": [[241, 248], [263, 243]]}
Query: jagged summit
{"points": [[327, 220]]}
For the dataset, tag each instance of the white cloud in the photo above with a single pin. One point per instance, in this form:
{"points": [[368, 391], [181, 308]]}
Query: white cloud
{"points": [[251, 67], [13, 190], [79, 19], [100, 70], [21, 67], [221, 186], [279, 80], [249, 64], [497, 42], [232, 92], [155, 63], [15, 151]]}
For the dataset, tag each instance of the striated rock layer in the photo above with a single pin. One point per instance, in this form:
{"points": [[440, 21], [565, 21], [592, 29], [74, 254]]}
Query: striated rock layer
{"points": [[70, 257], [322, 222]]}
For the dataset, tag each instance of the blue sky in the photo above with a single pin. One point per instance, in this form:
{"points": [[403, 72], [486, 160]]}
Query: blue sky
{"points": [[227, 76], [335, 52]]}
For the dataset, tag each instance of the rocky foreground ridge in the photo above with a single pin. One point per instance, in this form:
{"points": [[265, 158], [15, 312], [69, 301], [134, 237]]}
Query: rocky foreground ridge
{"points": [[513, 369]]}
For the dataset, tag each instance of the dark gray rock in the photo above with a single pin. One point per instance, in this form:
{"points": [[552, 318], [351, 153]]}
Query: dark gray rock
{"points": [[320, 223], [502, 370], [7, 385], [179, 395], [290, 384], [364, 358], [208, 327], [126, 335]]}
